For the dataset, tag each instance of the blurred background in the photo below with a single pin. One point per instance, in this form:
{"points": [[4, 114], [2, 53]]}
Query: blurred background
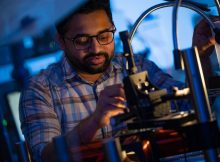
{"points": [[28, 54]]}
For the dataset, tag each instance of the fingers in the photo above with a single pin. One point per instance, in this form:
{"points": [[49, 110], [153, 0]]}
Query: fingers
{"points": [[112, 113], [205, 45], [113, 95], [117, 102], [210, 42], [203, 37], [204, 41], [116, 90], [111, 102], [105, 118]]}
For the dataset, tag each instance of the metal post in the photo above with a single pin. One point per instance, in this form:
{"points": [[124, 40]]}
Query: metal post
{"points": [[23, 153], [61, 149], [199, 93], [112, 150]]}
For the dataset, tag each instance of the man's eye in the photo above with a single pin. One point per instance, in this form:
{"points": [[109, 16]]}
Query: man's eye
{"points": [[103, 36], [82, 40]]}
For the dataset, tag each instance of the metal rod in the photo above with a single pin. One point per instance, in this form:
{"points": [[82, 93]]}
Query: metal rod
{"points": [[200, 96], [61, 149], [5, 140], [23, 153], [112, 150], [197, 84], [128, 53]]}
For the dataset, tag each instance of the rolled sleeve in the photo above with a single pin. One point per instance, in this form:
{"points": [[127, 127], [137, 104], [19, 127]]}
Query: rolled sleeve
{"points": [[39, 122]]}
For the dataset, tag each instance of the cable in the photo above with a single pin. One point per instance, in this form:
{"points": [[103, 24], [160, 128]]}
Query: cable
{"points": [[176, 52], [168, 4], [177, 61]]}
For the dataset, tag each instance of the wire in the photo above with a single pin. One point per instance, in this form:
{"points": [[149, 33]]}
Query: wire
{"points": [[174, 24], [177, 56], [168, 4]]}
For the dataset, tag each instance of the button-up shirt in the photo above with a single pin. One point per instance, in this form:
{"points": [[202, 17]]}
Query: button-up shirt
{"points": [[57, 99]]}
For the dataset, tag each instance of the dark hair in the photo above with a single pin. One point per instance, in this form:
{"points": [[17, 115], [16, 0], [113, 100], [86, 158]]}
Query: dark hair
{"points": [[88, 7]]}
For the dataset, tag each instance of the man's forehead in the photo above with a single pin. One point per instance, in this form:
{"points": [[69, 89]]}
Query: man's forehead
{"points": [[90, 23]]}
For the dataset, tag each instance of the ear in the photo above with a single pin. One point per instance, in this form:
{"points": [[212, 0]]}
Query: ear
{"points": [[60, 41]]}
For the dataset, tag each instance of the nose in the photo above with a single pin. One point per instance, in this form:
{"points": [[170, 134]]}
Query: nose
{"points": [[94, 46]]}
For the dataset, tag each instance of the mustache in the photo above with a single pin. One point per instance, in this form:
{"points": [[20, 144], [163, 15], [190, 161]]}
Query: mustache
{"points": [[95, 54]]}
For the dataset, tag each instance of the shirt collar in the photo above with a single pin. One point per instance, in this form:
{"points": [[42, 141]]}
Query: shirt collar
{"points": [[70, 72]]}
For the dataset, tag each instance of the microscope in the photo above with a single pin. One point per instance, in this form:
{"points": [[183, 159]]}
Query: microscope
{"points": [[145, 99]]}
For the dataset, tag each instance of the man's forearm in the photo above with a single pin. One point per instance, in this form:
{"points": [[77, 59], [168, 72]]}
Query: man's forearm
{"points": [[82, 134], [49, 153]]}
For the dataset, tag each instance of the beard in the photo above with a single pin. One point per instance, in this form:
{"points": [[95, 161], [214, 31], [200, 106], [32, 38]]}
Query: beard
{"points": [[83, 65]]}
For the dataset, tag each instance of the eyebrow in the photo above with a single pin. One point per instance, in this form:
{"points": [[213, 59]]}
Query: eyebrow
{"points": [[82, 35]]}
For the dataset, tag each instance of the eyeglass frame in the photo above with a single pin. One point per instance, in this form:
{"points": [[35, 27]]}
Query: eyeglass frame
{"points": [[90, 38]]}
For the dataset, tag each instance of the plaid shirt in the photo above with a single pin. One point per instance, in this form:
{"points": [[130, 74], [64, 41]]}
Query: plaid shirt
{"points": [[57, 99]]}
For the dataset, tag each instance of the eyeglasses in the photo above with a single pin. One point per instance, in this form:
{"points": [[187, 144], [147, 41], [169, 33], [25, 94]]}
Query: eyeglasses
{"points": [[82, 42]]}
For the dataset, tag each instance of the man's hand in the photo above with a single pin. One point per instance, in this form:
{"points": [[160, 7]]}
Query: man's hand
{"points": [[203, 38], [111, 102]]}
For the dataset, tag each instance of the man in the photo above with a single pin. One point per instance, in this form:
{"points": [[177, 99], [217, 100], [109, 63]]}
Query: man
{"points": [[78, 95]]}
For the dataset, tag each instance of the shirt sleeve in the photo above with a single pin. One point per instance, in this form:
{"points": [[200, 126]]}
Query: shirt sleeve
{"points": [[39, 122]]}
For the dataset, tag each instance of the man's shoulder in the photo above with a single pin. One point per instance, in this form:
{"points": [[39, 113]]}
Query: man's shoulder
{"points": [[51, 75]]}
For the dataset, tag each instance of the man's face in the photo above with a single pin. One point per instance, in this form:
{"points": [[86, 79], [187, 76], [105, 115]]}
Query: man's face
{"points": [[95, 58]]}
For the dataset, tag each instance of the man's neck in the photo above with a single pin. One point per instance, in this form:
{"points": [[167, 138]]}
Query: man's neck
{"points": [[90, 77]]}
